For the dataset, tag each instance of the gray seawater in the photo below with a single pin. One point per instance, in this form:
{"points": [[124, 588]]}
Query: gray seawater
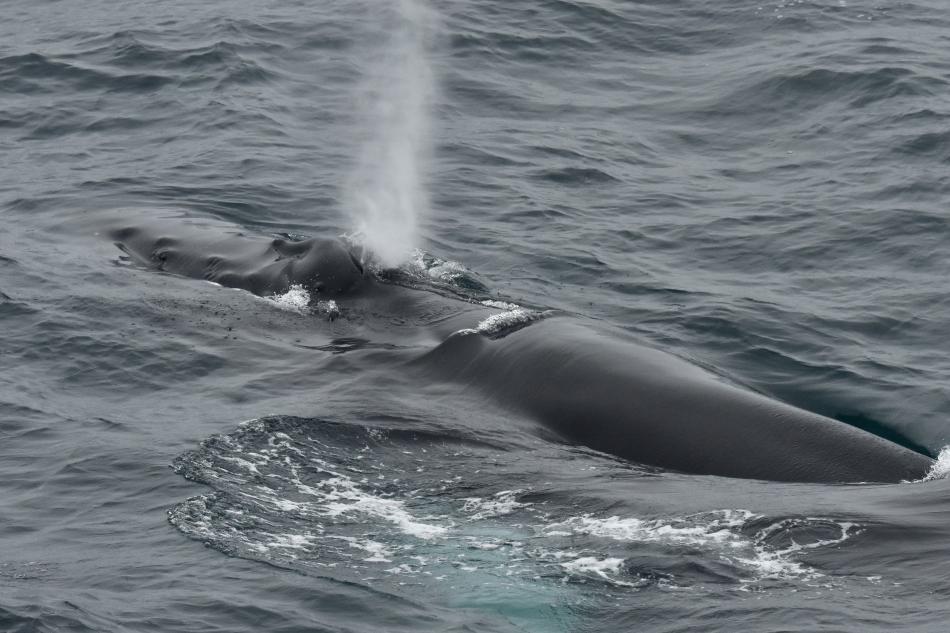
{"points": [[758, 186]]}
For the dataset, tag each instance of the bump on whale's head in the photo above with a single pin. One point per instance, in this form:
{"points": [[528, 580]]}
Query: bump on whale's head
{"points": [[326, 266]]}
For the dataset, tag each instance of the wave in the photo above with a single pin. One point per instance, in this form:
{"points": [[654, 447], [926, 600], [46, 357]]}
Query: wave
{"points": [[34, 73], [798, 92]]}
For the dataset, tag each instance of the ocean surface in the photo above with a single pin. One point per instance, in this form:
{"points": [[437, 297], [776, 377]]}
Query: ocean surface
{"points": [[760, 187]]}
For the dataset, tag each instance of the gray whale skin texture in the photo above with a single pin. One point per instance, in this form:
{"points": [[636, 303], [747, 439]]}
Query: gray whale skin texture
{"points": [[596, 388]]}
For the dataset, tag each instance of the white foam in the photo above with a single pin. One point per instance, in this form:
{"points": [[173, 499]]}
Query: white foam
{"points": [[378, 552], [292, 541], [499, 504], [592, 564], [340, 495], [498, 322], [717, 531], [331, 512], [940, 468], [704, 529], [486, 545], [605, 569], [329, 308], [500, 305], [296, 299], [401, 569], [335, 496], [502, 321]]}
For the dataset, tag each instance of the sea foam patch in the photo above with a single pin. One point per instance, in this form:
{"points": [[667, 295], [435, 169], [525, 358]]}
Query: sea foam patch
{"points": [[501, 503], [296, 299], [396, 506], [500, 305], [503, 322], [940, 468], [763, 549]]}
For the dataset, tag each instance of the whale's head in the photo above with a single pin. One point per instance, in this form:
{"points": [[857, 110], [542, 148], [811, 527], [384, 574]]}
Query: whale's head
{"points": [[325, 266]]}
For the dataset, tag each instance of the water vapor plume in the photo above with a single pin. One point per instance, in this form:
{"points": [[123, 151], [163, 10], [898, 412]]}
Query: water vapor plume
{"points": [[386, 195]]}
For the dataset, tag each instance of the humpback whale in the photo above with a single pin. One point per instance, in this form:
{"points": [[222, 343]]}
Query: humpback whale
{"points": [[592, 386]]}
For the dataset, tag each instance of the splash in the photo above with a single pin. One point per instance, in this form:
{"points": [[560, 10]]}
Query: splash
{"points": [[941, 467], [387, 195], [296, 299]]}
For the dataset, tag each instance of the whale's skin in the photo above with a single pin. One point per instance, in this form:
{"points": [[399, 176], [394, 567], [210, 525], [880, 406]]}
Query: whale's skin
{"points": [[650, 407], [595, 388], [262, 266]]}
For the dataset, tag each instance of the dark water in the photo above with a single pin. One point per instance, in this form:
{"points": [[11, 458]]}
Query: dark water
{"points": [[760, 187]]}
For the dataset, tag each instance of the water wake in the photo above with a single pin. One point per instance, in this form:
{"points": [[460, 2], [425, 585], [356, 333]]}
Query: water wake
{"points": [[396, 508]]}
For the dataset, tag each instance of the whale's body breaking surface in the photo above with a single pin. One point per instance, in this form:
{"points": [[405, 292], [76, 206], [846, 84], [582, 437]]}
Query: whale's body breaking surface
{"points": [[619, 397], [262, 266], [596, 388]]}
